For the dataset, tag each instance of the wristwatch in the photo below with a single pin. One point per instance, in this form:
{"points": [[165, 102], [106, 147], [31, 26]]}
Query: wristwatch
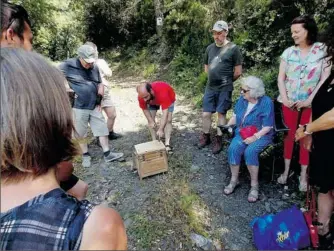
{"points": [[305, 130]]}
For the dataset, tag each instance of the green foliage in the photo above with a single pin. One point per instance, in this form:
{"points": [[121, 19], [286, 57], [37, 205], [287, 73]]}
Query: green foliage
{"points": [[57, 26], [260, 27]]}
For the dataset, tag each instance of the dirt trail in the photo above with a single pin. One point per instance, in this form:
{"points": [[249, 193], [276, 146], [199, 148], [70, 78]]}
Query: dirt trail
{"points": [[225, 220]]}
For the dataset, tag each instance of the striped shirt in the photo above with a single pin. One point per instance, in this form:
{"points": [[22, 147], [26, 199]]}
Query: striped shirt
{"points": [[51, 221]]}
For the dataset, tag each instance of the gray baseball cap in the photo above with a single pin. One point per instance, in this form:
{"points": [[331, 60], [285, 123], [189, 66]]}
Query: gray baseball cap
{"points": [[87, 53], [220, 25]]}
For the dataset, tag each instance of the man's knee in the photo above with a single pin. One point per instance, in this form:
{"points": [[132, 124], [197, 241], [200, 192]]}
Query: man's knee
{"points": [[79, 190], [110, 112]]}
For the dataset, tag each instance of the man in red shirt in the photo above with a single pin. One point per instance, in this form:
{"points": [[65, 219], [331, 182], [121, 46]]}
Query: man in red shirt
{"points": [[151, 96]]}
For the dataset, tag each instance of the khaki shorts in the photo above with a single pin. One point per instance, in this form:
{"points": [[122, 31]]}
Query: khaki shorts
{"points": [[107, 101], [96, 120]]}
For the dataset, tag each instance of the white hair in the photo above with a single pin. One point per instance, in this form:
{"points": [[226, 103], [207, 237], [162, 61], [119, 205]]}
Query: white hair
{"points": [[255, 86]]}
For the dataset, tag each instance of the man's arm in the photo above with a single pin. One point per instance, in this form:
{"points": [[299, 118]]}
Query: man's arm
{"points": [[100, 89], [164, 118], [237, 72], [206, 68], [149, 118]]}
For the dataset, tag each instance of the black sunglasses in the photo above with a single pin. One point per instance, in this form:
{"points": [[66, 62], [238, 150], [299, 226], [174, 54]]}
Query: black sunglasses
{"points": [[243, 91]]}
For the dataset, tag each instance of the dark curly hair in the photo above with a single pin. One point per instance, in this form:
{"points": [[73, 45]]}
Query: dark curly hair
{"points": [[329, 41], [310, 25]]}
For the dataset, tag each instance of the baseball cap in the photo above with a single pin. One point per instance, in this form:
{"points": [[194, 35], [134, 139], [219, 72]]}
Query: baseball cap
{"points": [[87, 53], [219, 26]]}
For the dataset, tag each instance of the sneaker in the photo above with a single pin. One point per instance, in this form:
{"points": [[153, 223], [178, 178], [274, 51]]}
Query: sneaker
{"points": [[113, 135], [218, 144], [204, 140], [113, 156], [86, 161]]}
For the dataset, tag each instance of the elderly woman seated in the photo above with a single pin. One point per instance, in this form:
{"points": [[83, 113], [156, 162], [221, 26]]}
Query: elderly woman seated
{"points": [[254, 120]]}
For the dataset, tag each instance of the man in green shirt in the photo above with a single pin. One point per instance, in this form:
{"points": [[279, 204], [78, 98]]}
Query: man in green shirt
{"points": [[223, 63]]}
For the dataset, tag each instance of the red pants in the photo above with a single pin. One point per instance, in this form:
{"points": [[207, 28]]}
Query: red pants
{"points": [[290, 118]]}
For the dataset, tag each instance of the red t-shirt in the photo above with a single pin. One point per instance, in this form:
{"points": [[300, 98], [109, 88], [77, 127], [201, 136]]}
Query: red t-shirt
{"points": [[164, 96]]}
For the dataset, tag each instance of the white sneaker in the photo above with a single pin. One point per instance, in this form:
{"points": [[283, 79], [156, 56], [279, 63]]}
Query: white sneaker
{"points": [[113, 156], [86, 161]]}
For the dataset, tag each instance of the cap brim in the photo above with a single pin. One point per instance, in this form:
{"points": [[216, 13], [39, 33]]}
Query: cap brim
{"points": [[218, 30], [89, 60]]}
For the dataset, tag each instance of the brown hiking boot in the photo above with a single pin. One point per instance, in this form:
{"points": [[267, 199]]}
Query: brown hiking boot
{"points": [[204, 140], [218, 144]]}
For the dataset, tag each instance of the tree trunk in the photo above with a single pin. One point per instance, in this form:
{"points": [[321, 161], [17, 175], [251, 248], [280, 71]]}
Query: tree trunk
{"points": [[158, 14]]}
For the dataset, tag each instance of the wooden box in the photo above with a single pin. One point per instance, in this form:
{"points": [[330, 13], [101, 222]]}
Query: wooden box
{"points": [[150, 158]]}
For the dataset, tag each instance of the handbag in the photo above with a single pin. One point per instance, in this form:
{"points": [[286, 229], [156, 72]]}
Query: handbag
{"points": [[286, 230], [248, 131]]}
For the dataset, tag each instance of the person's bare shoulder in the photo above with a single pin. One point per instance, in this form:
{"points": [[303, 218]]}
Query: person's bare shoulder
{"points": [[104, 230]]}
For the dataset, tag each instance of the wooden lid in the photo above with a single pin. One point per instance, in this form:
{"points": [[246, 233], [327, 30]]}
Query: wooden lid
{"points": [[149, 147]]}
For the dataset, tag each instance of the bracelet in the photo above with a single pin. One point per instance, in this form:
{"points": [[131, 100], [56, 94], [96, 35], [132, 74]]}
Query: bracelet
{"points": [[257, 136]]}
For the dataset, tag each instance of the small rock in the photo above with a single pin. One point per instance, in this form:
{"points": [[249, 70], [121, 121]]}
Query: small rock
{"points": [[127, 223], [218, 245], [201, 242], [194, 168], [211, 177], [280, 203], [267, 206]]}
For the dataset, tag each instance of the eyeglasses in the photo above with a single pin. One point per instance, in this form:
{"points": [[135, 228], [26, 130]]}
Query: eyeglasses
{"points": [[243, 91]]}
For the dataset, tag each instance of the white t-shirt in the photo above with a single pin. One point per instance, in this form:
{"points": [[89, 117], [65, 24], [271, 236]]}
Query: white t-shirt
{"points": [[248, 110], [105, 71]]}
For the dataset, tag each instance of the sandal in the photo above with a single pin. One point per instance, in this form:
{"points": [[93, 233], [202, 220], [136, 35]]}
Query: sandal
{"points": [[229, 189], [169, 149], [253, 195], [282, 179], [302, 186]]}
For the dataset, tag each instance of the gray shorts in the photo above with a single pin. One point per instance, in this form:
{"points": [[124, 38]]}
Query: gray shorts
{"points": [[95, 119]]}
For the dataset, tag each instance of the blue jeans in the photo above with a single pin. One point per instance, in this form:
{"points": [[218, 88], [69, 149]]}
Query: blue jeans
{"points": [[251, 152], [157, 107]]}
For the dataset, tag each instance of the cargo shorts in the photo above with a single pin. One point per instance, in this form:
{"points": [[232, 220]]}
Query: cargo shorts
{"points": [[217, 101], [95, 119]]}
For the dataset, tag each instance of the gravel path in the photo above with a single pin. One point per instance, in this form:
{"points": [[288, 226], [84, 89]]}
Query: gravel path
{"points": [[117, 185]]}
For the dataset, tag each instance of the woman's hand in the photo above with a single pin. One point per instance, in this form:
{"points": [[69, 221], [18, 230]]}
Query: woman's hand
{"points": [[302, 104], [288, 103], [300, 133], [250, 140], [307, 142]]}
